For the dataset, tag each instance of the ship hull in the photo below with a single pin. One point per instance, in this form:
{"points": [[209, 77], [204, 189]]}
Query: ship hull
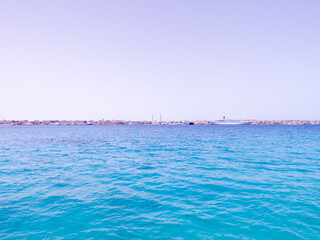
{"points": [[226, 123]]}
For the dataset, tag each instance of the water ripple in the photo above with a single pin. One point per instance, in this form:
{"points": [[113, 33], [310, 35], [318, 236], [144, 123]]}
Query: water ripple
{"points": [[160, 182]]}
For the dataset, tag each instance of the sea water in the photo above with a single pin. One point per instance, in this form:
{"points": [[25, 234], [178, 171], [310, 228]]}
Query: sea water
{"points": [[160, 182]]}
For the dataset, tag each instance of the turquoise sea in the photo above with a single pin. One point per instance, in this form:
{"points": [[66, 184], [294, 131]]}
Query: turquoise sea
{"points": [[159, 182]]}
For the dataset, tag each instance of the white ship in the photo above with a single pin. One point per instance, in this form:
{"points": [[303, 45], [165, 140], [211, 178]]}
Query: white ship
{"points": [[224, 121]]}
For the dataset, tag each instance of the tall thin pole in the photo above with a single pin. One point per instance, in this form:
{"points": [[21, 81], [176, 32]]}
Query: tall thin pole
{"points": [[152, 117], [160, 118]]}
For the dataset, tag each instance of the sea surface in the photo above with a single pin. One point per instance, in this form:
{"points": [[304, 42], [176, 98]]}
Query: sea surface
{"points": [[159, 182]]}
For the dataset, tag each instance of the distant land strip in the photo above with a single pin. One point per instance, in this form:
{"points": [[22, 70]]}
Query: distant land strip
{"points": [[122, 122]]}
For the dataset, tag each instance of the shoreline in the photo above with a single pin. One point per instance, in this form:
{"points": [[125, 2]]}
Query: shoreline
{"points": [[122, 122]]}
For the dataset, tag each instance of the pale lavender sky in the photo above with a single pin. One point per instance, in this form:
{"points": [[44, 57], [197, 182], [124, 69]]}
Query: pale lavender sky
{"points": [[185, 59]]}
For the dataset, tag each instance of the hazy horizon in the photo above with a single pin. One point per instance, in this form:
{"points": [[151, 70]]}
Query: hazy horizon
{"points": [[186, 60], [157, 119]]}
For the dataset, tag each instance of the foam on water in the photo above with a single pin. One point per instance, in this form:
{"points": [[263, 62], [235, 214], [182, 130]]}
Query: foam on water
{"points": [[160, 182]]}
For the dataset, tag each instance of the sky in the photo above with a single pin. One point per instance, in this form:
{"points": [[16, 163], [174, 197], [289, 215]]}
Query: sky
{"points": [[186, 60]]}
